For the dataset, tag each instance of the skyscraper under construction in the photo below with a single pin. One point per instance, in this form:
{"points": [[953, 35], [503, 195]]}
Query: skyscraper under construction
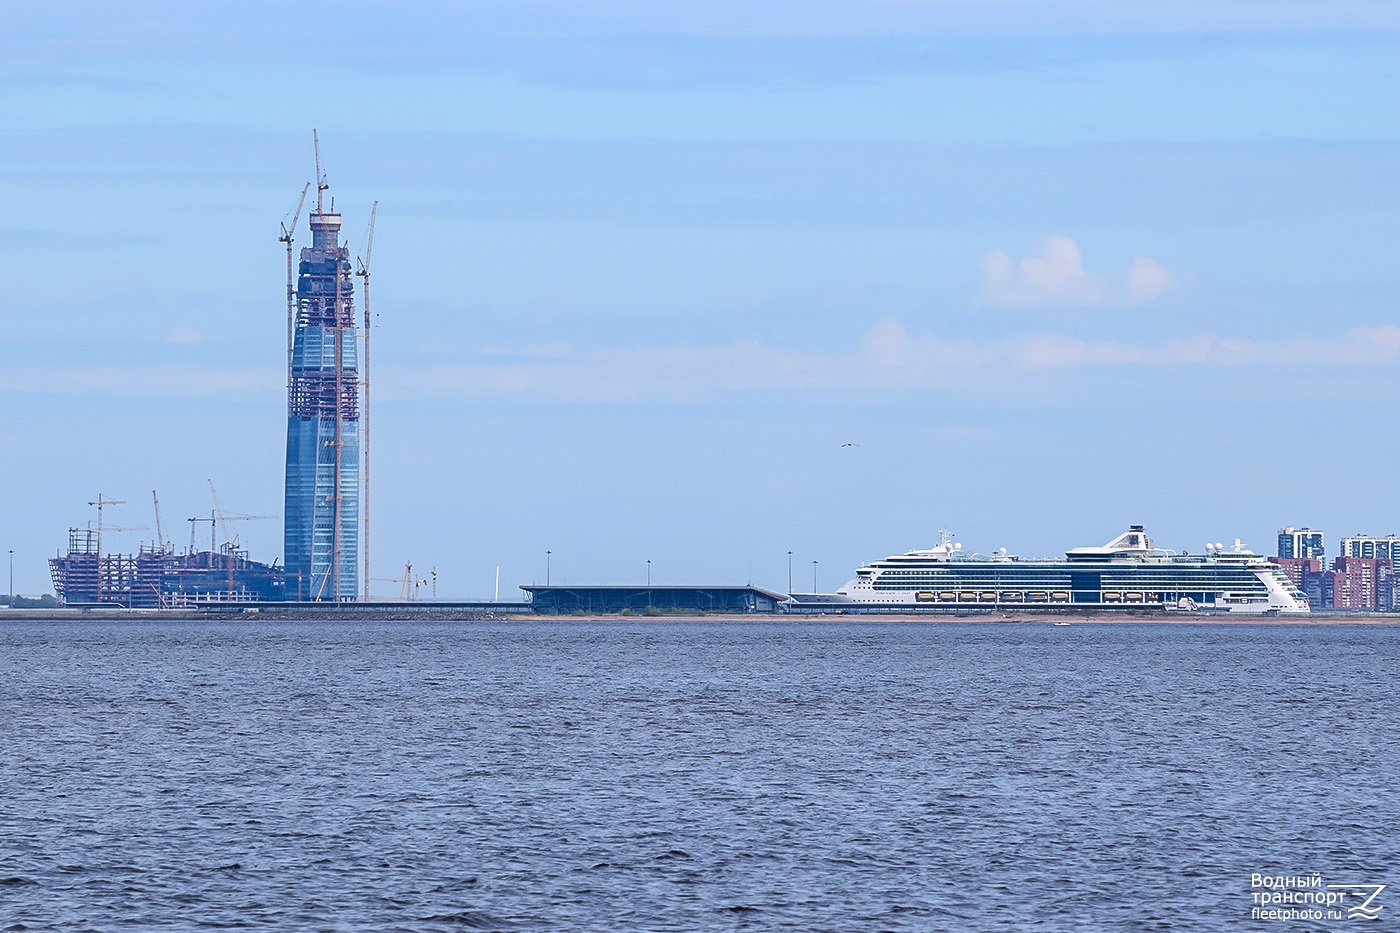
{"points": [[323, 417]]}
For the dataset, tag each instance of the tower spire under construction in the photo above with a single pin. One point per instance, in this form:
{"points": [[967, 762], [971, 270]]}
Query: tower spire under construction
{"points": [[321, 535]]}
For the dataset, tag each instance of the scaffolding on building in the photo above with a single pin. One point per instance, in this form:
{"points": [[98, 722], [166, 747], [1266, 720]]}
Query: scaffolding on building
{"points": [[321, 534], [156, 577]]}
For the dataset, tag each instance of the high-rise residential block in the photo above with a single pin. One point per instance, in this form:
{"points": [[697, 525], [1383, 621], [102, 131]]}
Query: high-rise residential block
{"points": [[1300, 542], [1387, 548]]}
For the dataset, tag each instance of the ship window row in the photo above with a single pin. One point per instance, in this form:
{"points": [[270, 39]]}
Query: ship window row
{"points": [[972, 587], [1016, 579], [1112, 571], [1065, 584]]}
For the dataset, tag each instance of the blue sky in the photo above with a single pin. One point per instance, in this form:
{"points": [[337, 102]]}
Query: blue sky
{"points": [[642, 269]]}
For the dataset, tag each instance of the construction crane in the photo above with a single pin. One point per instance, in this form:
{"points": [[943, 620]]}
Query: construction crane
{"points": [[101, 503], [213, 521], [339, 441], [408, 591], [388, 580], [219, 510], [287, 233], [364, 411], [321, 184], [408, 583], [223, 525], [160, 532]]}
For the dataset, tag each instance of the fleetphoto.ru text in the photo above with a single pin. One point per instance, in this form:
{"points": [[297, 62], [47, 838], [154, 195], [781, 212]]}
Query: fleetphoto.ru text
{"points": [[1307, 897]]}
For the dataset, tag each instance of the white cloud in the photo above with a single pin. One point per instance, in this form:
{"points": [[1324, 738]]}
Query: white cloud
{"points": [[1147, 279], [1053, 276]]}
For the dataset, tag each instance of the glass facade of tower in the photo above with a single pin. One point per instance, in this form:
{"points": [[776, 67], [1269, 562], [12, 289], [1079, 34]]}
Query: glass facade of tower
{"points": [[323, 424]]}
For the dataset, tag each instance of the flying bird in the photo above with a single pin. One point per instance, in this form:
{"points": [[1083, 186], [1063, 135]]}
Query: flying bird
{"points": [[850, 445]]}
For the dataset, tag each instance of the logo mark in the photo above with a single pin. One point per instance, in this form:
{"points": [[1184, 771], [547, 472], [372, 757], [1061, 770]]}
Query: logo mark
{"points": [[1367, 909]]}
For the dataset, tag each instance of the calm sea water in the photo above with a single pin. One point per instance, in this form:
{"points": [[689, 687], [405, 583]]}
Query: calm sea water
{"points": [[676, 776]]}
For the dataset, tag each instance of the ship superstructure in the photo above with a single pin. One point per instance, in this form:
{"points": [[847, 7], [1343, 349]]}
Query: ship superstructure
{"points": [[323, 419], [1129, 572]]}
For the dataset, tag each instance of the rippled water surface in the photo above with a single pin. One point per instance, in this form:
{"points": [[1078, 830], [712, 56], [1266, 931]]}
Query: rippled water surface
{"points": [[684, 776]]}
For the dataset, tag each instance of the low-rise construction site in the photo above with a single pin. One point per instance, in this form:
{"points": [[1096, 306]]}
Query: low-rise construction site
{"points": [[157, 576]]}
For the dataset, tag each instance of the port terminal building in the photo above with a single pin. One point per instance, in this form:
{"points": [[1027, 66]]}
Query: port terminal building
{"points": [[641, 599]]}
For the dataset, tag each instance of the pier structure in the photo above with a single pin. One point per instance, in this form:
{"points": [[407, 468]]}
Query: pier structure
{"points": [[322, 514]]}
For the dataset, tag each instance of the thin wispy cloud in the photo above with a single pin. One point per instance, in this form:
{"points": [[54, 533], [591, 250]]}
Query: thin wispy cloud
{"points": [[1053, 276], [888, 358], [128, 381], [1373, 346]]}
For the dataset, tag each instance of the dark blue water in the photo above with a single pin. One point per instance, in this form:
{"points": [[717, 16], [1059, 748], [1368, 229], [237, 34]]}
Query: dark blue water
{"points": [[673, 776]]}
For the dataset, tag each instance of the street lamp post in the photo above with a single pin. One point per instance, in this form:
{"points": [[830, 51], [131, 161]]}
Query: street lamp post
{"points": [[789, 573], [814, 576], [546, 567], [12, 578], [648, 572]]}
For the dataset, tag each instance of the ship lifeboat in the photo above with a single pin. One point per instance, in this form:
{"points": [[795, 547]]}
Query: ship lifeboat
{"points": [[947, 597], [1113, 597], [1012, 596], [925, 597], [1037, 596], [967, 597], [1059, 597], [989, 597], [1133, 597]]}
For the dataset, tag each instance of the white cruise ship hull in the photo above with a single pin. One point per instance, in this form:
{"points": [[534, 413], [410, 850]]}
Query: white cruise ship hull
{"points": [[1126, 575]]}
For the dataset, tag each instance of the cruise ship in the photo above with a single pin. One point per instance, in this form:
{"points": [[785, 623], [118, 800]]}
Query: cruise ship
{"points": [[1127, 573]]}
